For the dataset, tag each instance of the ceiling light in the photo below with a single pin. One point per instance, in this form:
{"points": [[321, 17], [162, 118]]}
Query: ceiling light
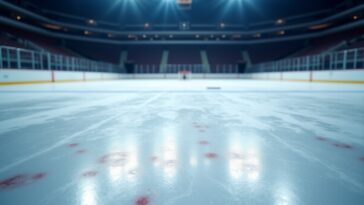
{"points": [[319, 26], [281, 32], [257, 35], [280, 21], [51, 26], [91, 22]]}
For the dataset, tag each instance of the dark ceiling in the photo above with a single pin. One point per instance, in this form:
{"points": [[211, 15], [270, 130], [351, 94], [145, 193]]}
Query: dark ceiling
{"points": [[202, 11]]}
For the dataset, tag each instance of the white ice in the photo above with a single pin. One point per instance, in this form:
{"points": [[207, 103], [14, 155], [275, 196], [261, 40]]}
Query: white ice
{"points": [[172, 142]]}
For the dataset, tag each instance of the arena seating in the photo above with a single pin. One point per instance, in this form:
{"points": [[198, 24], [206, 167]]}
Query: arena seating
{"points": [[328, 43], [184, 55], [6, 40], [35, 42], [145, 55], [356, 44]]}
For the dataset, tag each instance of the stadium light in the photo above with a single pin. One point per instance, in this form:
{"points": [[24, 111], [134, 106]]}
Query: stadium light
{"points": [[222, 25], [281, 33], [280, 21], [91, 22], [184, 26], [257, 35], [146, 25]]}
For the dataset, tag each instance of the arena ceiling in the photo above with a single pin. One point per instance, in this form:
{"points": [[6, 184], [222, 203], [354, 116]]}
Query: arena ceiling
{"points": [[164, 22], [202, 11]]}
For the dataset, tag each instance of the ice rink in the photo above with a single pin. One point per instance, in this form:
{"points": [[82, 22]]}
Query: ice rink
{"points": [[198, 142]]}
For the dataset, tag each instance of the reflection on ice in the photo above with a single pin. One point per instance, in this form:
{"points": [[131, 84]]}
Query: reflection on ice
{"points": [[124, 165], [283, 195], [88, 192], [115, 173], [166, 154], [169, 157], [243, 162], [193, 160]]}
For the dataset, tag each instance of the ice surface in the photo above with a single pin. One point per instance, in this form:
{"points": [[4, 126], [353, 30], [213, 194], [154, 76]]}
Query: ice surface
{"points": [[177, 143]]}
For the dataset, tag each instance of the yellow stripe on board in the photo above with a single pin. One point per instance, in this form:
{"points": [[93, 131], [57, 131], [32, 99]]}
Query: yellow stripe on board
{"points": [[317, 81], [57, 81], [24, 82], [327, 81], [38, 82], [339, 81]]}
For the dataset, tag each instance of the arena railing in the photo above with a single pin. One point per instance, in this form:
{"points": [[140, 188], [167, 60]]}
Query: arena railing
{"points": [[194, 68], [18, 58], [340, 60]]}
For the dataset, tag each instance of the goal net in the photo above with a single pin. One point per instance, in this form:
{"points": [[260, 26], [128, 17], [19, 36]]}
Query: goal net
{"points": [[184, 75]]}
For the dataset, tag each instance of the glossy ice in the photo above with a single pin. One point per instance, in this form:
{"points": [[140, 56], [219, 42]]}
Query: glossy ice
{"points": [[175, 142]]}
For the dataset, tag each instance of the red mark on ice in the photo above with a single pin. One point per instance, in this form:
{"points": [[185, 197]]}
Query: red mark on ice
{"points": [[361, 159], [321, 138], [203, 142], [21, 180], [114, 159], [14, 181], [81, 151], [39, 176], [211, 155], [154, 158], [342, 145], [143, 200], [73, 145], [90, 174]]}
